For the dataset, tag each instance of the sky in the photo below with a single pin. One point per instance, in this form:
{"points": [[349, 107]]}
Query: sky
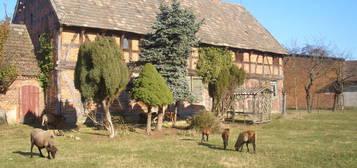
{"points": [[333, 22]]}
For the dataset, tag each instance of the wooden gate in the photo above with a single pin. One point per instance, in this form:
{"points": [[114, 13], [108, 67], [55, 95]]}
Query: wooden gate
{"points": [[29, 103]]}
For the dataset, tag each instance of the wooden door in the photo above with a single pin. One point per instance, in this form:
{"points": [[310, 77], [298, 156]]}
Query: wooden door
{"points": [[29, 110]]}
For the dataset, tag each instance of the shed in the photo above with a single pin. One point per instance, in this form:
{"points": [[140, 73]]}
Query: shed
{"points": [[23, 101], [254, 102]]}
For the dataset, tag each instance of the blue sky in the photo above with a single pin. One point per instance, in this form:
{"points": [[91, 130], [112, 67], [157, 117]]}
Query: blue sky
{"points": [[300, 21]]}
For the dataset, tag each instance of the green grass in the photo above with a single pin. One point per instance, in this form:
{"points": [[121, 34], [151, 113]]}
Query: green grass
{"points": [[323, 140]]}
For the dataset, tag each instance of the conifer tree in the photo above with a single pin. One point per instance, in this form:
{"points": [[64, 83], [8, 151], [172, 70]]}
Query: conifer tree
{"points": [[169, 46], [101, 74], [151, 89]]}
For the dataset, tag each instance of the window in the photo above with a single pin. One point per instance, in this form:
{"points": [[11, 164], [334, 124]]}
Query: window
{"points": [[196, 88], [125, 44], [274, 88]]}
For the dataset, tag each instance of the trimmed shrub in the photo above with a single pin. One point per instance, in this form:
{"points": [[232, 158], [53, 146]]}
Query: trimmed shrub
{"points": [[151, 89], [101, 74], [205, 119]]}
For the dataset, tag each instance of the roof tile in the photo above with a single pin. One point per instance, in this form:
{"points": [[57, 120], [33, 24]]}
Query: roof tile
{"points": [[20, 51], [226, 24]]}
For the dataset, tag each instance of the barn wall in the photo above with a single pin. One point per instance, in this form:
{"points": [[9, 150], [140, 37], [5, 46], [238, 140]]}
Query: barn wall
{"points": [[11, 100], [38, 16], [262, 69], [70, 40]]}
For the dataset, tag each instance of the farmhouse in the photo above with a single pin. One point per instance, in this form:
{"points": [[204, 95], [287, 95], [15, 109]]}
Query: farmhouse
{"points": [[24, 98], [71, 22]]}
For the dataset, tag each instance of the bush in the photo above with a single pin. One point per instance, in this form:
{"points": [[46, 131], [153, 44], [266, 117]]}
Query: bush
{"points": [[205, 119], [8, 75]]}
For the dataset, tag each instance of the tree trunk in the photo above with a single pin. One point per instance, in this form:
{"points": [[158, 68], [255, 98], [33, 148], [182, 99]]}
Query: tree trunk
{"points": [[213, 106], [308, 101], [108, 118], [335, 102], [308, 94], [148, 121], [175, 113], [160, 118]]}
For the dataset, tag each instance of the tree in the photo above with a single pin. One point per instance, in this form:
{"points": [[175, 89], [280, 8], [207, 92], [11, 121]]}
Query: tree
{"points": [[8, 73], [169, 46], [151, 89], [101, 74], [211, 62], [227, 81], [341, 75], [4, 32], [319, 65], [45, 61]]}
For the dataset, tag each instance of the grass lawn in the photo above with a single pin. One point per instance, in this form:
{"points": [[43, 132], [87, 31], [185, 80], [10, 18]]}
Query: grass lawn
{"points": [[324, 139]]}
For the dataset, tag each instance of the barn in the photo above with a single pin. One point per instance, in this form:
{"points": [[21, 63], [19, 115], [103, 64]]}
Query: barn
{"points": [[71, 22]]}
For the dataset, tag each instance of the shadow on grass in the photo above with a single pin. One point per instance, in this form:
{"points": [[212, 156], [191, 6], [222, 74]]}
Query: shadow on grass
{"points": [[238, 121], [28, 154], [181, 127], [187, 139], [92, 133], [213, 146]]}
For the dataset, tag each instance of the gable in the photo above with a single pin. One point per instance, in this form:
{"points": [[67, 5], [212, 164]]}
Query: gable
{"points": [[19, 51]]}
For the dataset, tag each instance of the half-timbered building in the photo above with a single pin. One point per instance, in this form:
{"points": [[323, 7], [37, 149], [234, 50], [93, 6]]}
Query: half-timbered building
{"points": [[71, 22]]}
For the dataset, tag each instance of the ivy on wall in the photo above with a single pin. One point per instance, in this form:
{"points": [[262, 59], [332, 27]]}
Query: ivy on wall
{"points": [[45, 60], [216, 67]]}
